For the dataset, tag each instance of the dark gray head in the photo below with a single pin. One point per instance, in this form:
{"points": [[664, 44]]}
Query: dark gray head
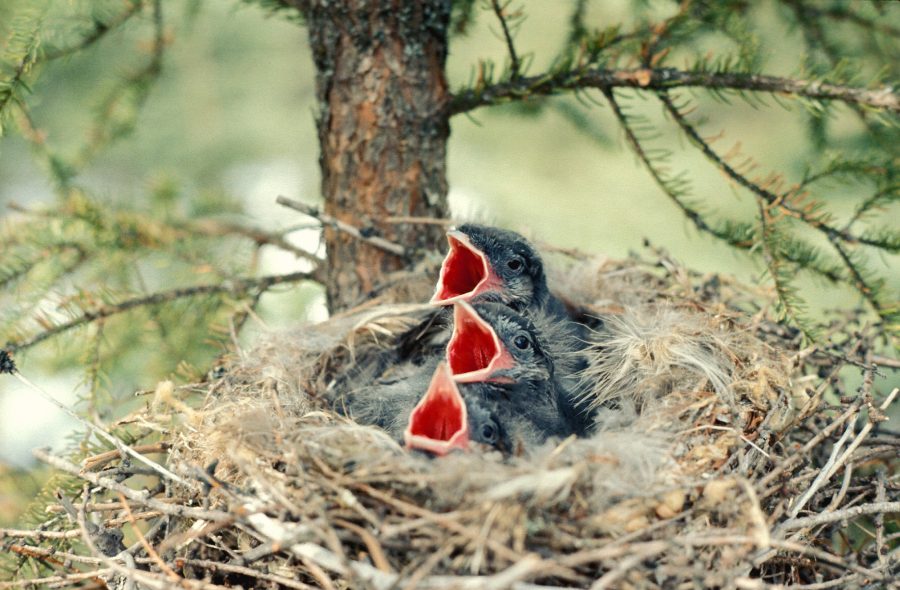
{"points": [[523, 415], [491, 264], [491, 342], [445, 420], [508, 416]]}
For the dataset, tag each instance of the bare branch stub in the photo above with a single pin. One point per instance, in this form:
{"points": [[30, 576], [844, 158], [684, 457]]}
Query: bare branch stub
{"points": [[7, 364]]}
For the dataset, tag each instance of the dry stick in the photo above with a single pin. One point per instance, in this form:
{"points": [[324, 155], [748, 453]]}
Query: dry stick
{"points": [[339, 225], [123, 448], [139, 497], [836, 501], [798, 456], [656, 79], [34, 582], [880, 496], [40, 552], [451, 525], [839, 515], [621, 568], [20, 534], [151, 552], [827, 472], [245, 571], [103, 458], [824, 471], [375, 550], [80, 517]]}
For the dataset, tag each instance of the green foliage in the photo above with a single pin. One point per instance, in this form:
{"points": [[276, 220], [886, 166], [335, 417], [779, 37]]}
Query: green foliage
{"points": [[798, 226]]}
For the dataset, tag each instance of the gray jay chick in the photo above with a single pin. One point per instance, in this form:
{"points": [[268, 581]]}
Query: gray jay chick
{"points": [[492, 264], [428, 414], [501, 414], [492, 343]]}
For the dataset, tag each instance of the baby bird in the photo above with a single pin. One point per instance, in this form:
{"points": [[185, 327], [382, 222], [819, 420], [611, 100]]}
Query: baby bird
{"points": [[493, 264]]}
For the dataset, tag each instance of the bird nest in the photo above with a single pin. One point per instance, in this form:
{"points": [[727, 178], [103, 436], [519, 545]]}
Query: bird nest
{"points": [[726, 454]]}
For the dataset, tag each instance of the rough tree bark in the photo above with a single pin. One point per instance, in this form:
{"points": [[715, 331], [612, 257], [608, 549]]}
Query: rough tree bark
{"points": [[383, 128]]}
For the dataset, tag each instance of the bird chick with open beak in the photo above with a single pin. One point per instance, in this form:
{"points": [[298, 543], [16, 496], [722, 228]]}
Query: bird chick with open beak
{"points": [[492, 264]]}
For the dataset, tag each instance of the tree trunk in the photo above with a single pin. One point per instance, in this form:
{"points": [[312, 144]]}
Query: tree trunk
{"points": [[383, 129]]}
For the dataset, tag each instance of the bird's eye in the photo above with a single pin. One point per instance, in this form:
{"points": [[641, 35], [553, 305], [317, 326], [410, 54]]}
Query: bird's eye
{"points": [[515, 264], [522, 342], [489, 433]]}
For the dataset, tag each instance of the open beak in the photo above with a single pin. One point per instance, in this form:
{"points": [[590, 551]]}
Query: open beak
{"points": [[439, 423], [475, 352], [465, 272]]}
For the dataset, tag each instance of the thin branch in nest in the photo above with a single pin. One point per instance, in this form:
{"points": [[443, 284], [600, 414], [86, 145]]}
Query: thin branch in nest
{"points": [[835, 464], [877, 508], [342, 226], [115, 441], [142, 497]]}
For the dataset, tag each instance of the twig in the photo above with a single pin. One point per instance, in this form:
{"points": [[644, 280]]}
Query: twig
{"points": [[122, 447], [103, 458], [824, 472], [244, 571], [68, 577], [339, 225], [550, 83], [151, 552], [839, 515], [236, 286], [140, 497], [510, 46], [828, 472]]}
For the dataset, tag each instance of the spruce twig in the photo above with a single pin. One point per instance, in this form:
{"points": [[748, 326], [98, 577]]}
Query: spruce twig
{"points": [[655, 79], [238, 286], [343, 226]]}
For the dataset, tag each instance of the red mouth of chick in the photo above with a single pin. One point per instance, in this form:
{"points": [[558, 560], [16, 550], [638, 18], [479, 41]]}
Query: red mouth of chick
{"points": [[475, 352], [439, 423], [465, 272]]}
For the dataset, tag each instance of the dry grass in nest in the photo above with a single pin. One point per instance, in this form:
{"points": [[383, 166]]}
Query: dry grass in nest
{"points": [[724, 456]]}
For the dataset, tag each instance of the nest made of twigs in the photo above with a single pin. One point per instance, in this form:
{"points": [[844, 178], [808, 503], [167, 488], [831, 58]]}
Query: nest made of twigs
{"points": [[722, 458]]}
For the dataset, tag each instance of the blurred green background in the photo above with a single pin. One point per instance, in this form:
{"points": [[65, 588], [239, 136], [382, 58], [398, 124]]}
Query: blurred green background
{"points": [[230, 125]]}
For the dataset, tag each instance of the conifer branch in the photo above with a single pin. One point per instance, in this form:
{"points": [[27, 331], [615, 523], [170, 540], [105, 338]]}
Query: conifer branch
{"points": [[859, 282], [25, 48], [238, 287], [780, 276], [835, 236], [656, 79], [735, 235], [808, 19], [500, 11], [664, 183], [98, 31]]}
